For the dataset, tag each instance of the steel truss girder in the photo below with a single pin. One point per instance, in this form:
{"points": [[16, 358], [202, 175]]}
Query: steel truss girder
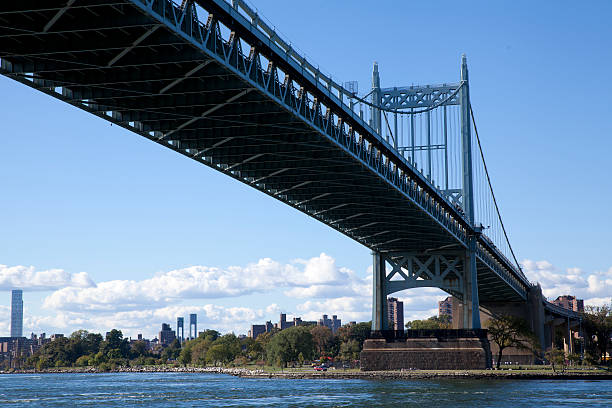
{"points": [[443, 270], [310, 111], [306, 100], [419, 96]]}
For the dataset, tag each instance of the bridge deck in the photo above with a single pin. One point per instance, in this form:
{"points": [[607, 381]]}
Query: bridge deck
{"points": [[166, 76]]}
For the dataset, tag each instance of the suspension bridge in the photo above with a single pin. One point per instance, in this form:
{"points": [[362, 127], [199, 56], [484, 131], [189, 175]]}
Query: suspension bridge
{"points": [[399, 170]]}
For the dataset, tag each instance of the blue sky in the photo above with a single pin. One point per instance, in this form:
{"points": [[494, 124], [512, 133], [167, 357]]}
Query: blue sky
{"points": [[82, 196]]}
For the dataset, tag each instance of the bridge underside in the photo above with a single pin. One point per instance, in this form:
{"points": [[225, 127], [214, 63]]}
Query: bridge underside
{"points": [[113, 59]]}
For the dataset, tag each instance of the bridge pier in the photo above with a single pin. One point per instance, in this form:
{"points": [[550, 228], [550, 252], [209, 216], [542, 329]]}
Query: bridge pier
{"points": [[567, 338], [379, 296], [563, 327], [471, 303], [438, 349], [453, 271]]}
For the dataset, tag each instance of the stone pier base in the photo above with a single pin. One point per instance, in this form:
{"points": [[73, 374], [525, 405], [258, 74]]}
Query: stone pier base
{"points": [[426, 350]]}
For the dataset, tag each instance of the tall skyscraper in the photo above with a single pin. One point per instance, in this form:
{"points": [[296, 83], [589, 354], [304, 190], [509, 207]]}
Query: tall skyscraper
{"points": [[17, 313], [193, 322], [395, 314], [180, 329]]}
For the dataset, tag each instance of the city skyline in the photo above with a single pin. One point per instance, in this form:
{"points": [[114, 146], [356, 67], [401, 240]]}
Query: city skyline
{"points": [[93, 239], [395, 310]]}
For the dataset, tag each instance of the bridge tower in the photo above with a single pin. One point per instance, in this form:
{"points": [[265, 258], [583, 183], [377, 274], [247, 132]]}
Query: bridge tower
{"points": [[376, 101], [471, 290], [452, 269]]}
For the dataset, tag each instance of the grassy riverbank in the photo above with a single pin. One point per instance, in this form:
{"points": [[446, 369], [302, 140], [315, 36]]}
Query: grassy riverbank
{"points": [[526, 373]]}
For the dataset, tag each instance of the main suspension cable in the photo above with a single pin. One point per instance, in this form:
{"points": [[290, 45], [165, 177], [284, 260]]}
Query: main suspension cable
{"points": [[493, 194]]}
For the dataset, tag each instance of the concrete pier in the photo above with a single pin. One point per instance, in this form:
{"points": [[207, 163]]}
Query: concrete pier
{"points": [[426, 350]]}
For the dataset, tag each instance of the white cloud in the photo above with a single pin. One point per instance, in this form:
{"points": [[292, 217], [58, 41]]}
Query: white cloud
{"points": [[346, 308], [324, 288], [315, 277], [346, 283], [592, 286], [599, 301], [27, 277]]}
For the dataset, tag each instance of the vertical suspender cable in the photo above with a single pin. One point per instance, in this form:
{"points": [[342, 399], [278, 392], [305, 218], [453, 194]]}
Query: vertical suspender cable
{"points": [[412, 133], [492, 193], [445, 150]]}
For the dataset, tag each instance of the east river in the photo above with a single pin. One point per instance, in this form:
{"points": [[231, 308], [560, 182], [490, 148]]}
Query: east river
{"points": [[219, 390]]}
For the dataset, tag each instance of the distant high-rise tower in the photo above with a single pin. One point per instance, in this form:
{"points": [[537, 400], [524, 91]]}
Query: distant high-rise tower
{"points": [[445, 308], [193, 322], [17, 313], [180, 329], [166, 335], [395, 314]]}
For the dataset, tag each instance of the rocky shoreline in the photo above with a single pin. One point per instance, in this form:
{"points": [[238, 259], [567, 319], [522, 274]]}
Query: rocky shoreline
{"points": [[338, 374]]}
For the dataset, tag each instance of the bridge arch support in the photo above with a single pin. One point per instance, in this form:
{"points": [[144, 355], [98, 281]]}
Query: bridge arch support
{"points": [[446, 270]]}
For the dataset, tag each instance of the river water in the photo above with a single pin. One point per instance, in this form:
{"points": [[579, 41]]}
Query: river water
{"points": [[218, 390]]}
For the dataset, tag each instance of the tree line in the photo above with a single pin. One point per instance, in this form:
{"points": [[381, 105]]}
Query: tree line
{"points": [[294, 345], [299, 344]]}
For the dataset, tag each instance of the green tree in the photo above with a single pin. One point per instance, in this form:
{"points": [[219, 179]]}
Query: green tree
{"points": [[185, 355], [258, 350], [66, 351], [597, 325], [287, 345], [556, 357], [82, 361], [172, 351], [88, 342], [350, 350], [115, 345], [433, 323], [199, 347], [333, 347], [210, 334], [217, 353], [343, 334], [322, 338], [510, 331], [247, 345], [361, 331], [139, 349], [223, 350]]}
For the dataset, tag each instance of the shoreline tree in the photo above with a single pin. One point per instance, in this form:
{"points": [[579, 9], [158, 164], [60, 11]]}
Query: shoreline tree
{"points": [[286, 345], [510, 331], [598, 329], [322, 337]]}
